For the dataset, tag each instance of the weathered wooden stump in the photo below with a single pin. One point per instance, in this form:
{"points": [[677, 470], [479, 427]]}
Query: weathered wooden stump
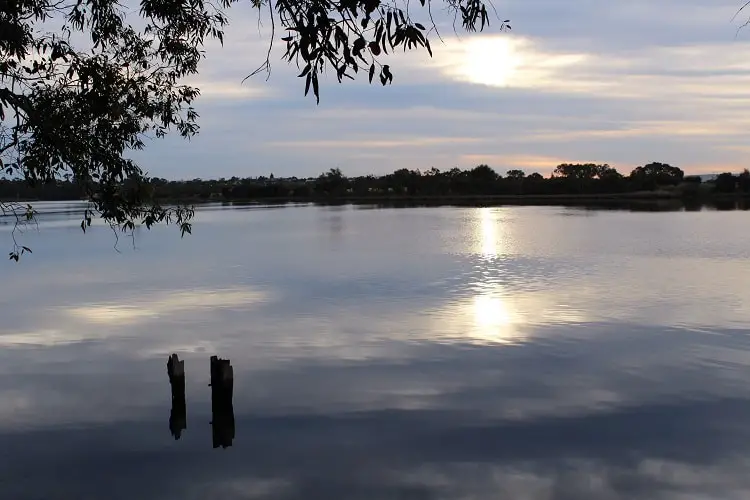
{"points": [[178, 413], [222, 410]]}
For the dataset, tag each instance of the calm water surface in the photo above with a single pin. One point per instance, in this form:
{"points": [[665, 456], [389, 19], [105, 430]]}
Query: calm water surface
{"points": [[438, 353]]}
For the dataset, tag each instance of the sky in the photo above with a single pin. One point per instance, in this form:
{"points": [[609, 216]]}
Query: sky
{"points": [[618, 82]]}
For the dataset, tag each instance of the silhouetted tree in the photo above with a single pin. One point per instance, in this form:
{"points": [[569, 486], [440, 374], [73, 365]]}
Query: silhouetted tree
{"points": [[743, 181], [611, 181], [578, 170], [404, 181], [656, 174], [578, 177], [333, 184], [725, 183], [482, 180], [73, 101], [514, 181]]}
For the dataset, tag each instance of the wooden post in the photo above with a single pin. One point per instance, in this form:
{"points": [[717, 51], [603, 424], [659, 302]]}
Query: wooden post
{"points": [[222, 411], [178, 413]]}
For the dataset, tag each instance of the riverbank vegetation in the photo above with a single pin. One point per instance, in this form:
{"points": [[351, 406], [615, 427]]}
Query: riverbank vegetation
{"points": [[583, 180]]}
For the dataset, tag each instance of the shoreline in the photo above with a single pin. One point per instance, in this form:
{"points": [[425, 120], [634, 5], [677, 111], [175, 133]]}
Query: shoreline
{"points": [[646, 198], [520, 199]]}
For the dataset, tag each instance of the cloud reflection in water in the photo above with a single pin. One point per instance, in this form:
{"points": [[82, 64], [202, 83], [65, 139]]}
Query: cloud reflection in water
{"points": [[153, 306]]}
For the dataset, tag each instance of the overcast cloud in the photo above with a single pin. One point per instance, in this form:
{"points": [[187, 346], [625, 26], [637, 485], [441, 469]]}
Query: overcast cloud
{"points": [[623, 82]]}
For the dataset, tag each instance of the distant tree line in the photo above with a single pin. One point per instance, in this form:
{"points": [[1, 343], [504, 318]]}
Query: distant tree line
{"points": [[566, 179]]}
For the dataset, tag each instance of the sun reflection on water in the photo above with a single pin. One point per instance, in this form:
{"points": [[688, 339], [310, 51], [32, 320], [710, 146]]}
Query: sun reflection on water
{"points": [[495, 320], [488, 234], [502, 301], [491, 313]]}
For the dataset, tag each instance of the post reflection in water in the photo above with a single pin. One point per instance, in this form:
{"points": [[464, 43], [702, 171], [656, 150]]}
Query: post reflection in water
{"points": [[178, 413], [222, 410]]}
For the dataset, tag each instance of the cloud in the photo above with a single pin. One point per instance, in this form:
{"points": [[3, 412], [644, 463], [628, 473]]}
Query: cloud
{"points": [[360, 143], [229, 89], [508, 61], [502, 99], [621, 83]]}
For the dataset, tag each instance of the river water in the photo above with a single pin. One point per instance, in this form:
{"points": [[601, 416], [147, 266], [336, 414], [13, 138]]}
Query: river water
{"points": [[527, 353]]}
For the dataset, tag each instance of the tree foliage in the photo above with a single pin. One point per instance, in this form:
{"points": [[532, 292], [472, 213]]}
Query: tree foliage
{"points": [[583, 170], [348, 36], [85, 82], [76, 99], [657, 174]]}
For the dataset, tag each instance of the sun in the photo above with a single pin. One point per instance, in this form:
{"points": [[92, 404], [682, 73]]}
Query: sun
{"points": [[492, 61]]}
